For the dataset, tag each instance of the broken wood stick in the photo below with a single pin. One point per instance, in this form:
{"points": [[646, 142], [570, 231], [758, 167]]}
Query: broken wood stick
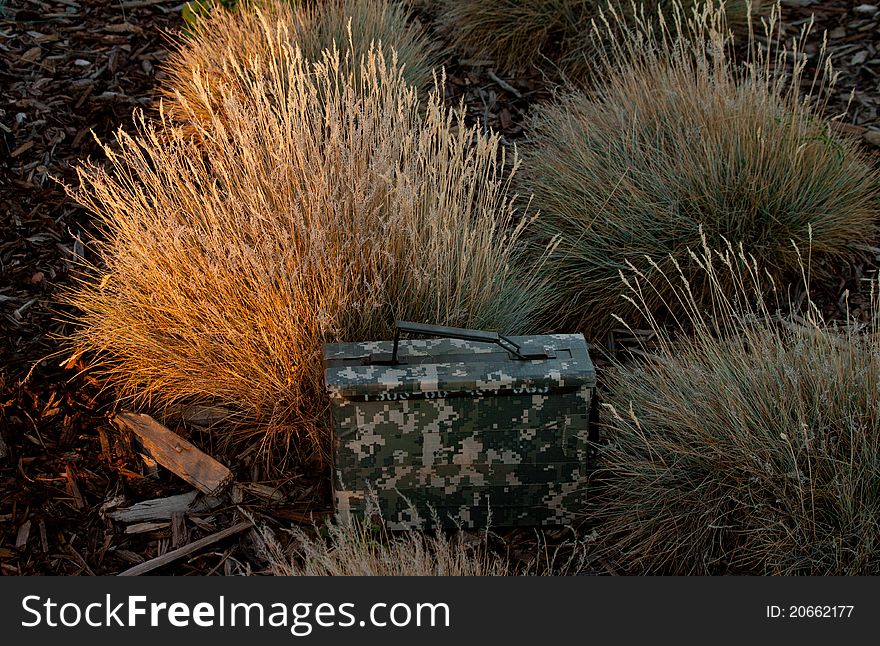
{"points": [[164, 508], [176, 454], [504, 85], [173, 555]]}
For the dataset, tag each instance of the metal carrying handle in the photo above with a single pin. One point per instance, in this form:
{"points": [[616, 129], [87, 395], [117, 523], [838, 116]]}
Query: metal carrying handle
{"points": [[457, 333]]}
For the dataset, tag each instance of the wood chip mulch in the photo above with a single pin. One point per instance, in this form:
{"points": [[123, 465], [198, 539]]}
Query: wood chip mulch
{"points": [[69, 69], [72, 67]]}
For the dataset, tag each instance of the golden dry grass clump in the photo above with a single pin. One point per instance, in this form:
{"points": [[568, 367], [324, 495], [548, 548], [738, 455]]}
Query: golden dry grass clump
{"points": [[676, 138], [519, 34], [226, 41], [751, 447], [230, 256], [356, 550]]}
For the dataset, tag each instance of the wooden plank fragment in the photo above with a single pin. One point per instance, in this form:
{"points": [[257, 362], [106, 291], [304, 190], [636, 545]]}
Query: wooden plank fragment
{"points": [[176, 454], [195, 546], [164, 508]]}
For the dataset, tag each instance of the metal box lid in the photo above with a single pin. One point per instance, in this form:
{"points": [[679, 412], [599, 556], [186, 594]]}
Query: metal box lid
{"points": [[449, 367]]}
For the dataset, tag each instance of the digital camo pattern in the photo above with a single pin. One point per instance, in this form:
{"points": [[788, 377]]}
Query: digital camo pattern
{"points": [[483, 440], [434, 368]]}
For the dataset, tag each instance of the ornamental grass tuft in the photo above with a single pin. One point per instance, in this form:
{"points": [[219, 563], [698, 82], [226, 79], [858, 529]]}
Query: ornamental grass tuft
{"points": [[680, 141], [552, 34], [751, 446], [222, 43], [229, 253]]}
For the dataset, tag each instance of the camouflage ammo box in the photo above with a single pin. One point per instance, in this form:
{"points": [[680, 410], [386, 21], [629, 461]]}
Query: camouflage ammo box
{"points": [[480, 428]]}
